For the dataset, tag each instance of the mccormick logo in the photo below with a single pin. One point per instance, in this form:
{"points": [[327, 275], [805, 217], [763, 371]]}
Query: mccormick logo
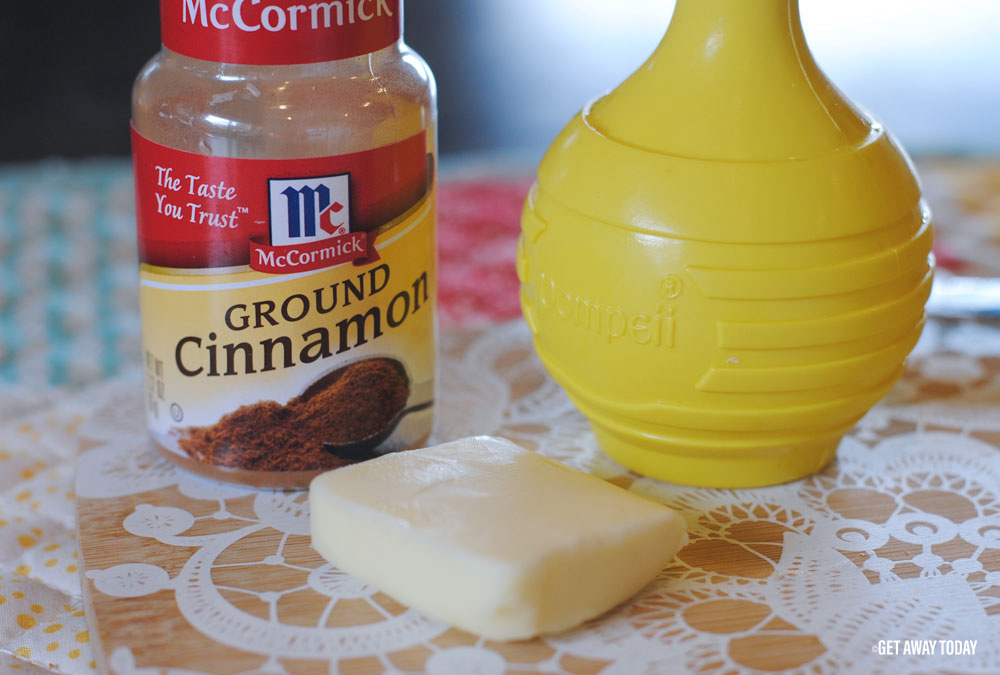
{"points": [[310, 227], [306, 210]]}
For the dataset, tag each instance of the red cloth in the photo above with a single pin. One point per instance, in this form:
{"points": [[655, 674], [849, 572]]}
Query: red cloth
{"points": [[479, 225]]}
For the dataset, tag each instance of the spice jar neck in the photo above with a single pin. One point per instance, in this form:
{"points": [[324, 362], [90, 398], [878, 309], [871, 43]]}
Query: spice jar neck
{"points": [[279, 32]]}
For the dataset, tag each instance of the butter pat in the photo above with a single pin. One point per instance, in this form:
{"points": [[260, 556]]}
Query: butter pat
{"points": [[491, 538]]}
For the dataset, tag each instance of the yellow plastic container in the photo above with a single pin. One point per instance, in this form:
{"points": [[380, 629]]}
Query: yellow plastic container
{"points": [[724, 261]]}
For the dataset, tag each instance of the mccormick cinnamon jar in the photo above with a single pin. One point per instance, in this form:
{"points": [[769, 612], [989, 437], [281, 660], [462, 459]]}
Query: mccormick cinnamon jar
{"points": [[285, 158]]}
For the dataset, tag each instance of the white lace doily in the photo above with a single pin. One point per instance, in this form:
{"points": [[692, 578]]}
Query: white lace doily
{"points": [[898, 540]]}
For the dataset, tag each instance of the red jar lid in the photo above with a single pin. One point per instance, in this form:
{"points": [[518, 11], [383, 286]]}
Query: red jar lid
{"points": [[279, 32]]}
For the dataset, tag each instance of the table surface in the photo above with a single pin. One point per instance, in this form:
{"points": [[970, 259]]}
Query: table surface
{"points": [[900, 539]]}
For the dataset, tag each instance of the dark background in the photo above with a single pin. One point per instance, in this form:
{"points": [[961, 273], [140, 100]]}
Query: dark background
{"points": [[511, 72], [67, 70]]}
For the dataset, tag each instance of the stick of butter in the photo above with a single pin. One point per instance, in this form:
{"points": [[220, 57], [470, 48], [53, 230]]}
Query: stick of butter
{"points": [[491, 538]]}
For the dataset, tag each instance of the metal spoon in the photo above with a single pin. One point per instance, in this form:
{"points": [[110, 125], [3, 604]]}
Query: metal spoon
{"points": [[955, 297], [365, 448]]}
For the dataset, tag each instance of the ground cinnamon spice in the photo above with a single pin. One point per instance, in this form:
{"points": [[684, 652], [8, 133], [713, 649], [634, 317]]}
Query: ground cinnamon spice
{"points": [[350, 404]]}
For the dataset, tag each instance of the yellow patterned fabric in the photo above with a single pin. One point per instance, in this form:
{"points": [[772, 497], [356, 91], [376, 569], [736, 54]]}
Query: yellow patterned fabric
{"points": [[42, 623]]}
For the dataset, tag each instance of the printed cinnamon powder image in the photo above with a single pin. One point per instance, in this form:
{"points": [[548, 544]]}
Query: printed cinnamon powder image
{"points": [[349, 404]]}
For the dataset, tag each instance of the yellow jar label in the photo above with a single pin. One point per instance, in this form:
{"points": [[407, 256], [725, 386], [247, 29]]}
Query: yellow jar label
{"points": [[246, 342]]}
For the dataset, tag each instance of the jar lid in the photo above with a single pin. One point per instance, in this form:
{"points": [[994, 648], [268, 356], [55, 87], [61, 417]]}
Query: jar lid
{"points": [[279, 32]]}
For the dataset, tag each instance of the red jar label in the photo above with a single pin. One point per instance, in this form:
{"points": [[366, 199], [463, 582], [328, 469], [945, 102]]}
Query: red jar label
{"points": [[279, 216], [278, 32], [288, 307]]}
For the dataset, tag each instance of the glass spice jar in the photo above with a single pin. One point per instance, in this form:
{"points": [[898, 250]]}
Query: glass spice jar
{"points": [[285, 163]]}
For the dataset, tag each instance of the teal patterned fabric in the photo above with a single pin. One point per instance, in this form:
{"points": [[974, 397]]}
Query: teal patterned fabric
{"points": [[68, 291]]}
